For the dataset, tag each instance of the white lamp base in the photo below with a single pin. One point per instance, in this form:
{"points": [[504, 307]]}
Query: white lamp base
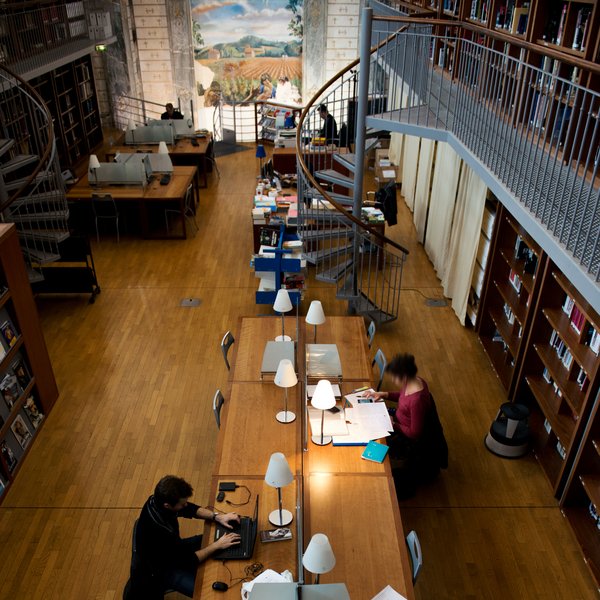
{"points": [[283, 338], [286, 518], [285, 416], [316, 439]]}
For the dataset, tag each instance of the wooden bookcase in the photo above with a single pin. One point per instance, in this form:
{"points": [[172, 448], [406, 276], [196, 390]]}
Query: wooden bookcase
{"points": [[511, 289], [69, 92], [559, 373], [27, 386]]}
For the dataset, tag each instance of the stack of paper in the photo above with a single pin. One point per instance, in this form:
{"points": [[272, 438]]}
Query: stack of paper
{"points": [[333, 423]]}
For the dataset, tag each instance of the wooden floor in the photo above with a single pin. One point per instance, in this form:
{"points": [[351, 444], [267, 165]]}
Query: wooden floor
{"points": [[137, 374]]}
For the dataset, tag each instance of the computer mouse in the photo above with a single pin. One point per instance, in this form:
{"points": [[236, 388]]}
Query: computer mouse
{"points": [[220, 586]]}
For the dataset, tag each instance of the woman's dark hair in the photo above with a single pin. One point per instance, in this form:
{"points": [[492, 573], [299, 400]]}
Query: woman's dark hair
{"points": [[402, 365], [170, 489]]}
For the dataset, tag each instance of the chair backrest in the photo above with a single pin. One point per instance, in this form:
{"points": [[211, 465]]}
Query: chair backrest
{"points": [[381, 363], [371, 332], [226, 343], [416, 556], [104, 202], [217, 405]]}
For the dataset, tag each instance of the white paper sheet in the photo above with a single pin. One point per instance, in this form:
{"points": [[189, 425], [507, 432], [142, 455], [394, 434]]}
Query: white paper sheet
{"points": [[357, 435], [373, 416], [334, 424], [388, 173], [388, 593], [354, 398]]}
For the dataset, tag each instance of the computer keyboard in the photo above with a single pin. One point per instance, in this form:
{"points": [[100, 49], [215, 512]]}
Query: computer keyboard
{"points": [[243, 548]]}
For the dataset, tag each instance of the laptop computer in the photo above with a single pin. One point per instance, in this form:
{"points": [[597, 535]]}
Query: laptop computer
{"points": [[247, 528]]}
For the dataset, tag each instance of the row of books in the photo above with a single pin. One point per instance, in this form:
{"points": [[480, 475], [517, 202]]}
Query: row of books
{"points": [[451, 6], [582, 380], [562, 350], [578, 323], [525, 253], [513, 16], [557, 27], [479, 10], [510, 315], [515, 281]]}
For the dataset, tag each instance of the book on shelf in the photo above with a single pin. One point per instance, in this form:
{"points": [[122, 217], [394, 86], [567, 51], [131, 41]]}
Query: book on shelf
{"points": [[497, 337], [515, 280], [594, 340], [547, 377], [547, 426], [519, 19], [21, 372], [583, 17], [21, 431], [561, 24], [34, 414], [275, 535], [7, 457], [561, 450], [9, 389], [577, 319], [510, 316], [568, 305], [269, 237], [9, 333], [562, 350], [582, 380]]}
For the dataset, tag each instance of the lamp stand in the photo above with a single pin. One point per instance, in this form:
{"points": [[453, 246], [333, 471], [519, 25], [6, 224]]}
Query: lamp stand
{"points": [[285, 416], [283, 337], [315, 334], [280, 517], [317, 576], [322, 440]]}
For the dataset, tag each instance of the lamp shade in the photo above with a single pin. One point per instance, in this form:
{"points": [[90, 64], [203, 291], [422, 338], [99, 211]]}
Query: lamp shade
{"points": [[282, 301], [318, 557], [278, 473], [260, 151], [323, 398], [315, 314], [94, 162], [285, 376], [162, 148], [130, 124]]}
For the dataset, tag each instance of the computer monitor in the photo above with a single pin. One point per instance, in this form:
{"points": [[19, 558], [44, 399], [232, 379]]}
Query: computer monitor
{"points": [[148, 169], [297, 591]]}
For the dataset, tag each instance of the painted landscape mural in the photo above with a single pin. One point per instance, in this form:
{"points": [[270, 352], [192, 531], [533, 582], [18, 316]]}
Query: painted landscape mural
{"points": [[248, 50]]}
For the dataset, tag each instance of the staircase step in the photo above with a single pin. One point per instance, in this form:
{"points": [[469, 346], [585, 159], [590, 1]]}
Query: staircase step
{"points": [[34, 276], [40, 256], [331, 216], [341, 198], [346, 160], [346, 290], [45, 235], [367, 308], [309, 235], [318, 256], [335, 273], [19, 183], [18, 162], [370, 143], [30, 217], [5, 145], [55, 196], [334, 177]]}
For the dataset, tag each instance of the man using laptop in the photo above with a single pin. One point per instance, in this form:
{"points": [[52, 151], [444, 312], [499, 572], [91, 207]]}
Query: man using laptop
{"points": [[161, 559]]}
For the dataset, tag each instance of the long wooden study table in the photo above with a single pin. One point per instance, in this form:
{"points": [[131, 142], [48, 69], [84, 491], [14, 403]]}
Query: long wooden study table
{"points": [[174, 192], [351, 500]]}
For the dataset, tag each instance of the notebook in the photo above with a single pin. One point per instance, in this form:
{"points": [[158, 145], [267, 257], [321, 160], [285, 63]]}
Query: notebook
{"points": [[247, 529], [375, 452]]}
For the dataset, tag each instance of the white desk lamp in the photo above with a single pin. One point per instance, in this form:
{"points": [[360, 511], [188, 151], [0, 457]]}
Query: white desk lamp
{"points": [[315, 315], [279, 475], [323, 399], [93, 167], [318, 557], [285, 377], [162, 148], [282, 305]]}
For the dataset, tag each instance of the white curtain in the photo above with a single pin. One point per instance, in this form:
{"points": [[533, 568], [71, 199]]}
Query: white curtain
{"points": [[466, 226], [396, 151], [441, 206], [423, 187], [409, 169]]}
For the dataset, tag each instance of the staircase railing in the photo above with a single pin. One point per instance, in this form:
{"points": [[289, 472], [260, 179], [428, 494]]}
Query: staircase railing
{"points": [[31, 186], [519, 109], [364, 264]]}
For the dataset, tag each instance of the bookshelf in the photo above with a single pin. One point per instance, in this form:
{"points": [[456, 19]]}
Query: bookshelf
{"points": [[483, 253], [27, 385], [512, 285], [69, 92], [559, 372]]}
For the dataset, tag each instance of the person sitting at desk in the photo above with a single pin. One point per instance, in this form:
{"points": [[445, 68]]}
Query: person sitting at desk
{"points": [[418, 447], [161, 559], [170, 113], [329, 131]]}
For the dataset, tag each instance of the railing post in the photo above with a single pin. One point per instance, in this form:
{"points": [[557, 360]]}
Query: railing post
{"points": [[362, 102]]}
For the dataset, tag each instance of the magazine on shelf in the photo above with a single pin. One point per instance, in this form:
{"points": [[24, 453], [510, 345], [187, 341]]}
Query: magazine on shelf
{"points": [[9, 333], [21, 372], [9, 460], [9, 388], [21, 431], [35, 415]]}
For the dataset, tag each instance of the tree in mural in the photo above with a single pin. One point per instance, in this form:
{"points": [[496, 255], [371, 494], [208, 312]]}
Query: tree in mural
{"points": [[295, 25], [197, 36]]}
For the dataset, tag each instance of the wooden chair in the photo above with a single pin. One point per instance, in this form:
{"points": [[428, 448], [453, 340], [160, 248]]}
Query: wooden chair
{"points": [[226, 343], [416, 556], [104, 207], [381, 363], [371, 332], [189, 210], [217, 405]]}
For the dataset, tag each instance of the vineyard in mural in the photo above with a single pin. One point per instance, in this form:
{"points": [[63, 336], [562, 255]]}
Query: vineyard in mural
{"points": [[243, 49]]}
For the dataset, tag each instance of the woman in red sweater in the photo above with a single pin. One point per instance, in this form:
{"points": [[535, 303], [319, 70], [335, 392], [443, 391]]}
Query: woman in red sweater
{"points": [[413, 397]]}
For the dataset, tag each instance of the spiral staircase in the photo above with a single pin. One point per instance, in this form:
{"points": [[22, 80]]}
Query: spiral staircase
{"points": [[32, 194]]}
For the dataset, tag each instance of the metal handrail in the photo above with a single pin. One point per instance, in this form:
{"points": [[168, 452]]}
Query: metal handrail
{"points": [[382, 239], [35, 96], [498, 35]]}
